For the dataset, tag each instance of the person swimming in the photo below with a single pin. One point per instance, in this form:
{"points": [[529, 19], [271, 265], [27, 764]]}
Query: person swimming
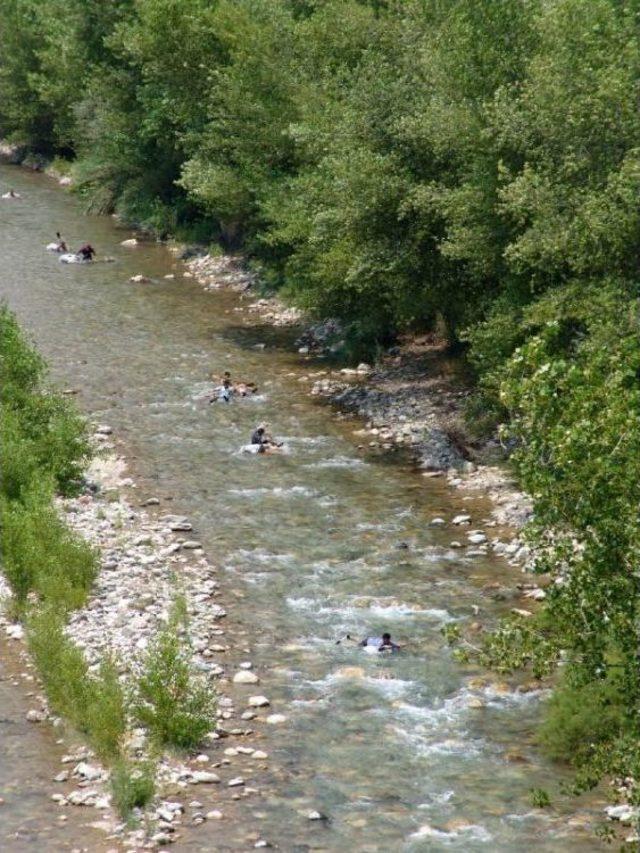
{"points": [[11, 194], [86, 252], [260, 436], [61, 246], [262, 441], [223, 392], [381, 644]]}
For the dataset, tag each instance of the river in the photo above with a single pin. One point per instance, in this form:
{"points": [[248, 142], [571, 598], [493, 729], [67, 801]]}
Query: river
{"points": [[311, 545]]}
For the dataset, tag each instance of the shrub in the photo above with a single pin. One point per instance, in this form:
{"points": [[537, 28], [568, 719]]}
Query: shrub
{"points": [[580, 717], [132, 786], [37, 427], [175, 705], [41, 554], [539, 798], [61, 665], [106, 718], [95, 705]]}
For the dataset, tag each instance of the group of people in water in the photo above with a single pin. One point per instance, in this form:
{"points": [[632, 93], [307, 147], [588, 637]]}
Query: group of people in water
{"points": [[262, 442], [85, 253], [228, 389]]}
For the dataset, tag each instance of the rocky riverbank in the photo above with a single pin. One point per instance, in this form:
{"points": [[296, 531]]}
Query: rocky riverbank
{"points": [[413, 399], [148, 558]]}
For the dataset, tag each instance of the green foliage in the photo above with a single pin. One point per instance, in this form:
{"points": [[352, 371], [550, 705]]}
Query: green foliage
{"points": [[94, 704], [132, 786], [580, 717], [419, 165], [41, 555], [539, 798], [39, 430], [177, 706]]}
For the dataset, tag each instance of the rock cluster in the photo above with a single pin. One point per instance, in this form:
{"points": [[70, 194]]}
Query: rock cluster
{"points": [[145, 561], [221, 271]]}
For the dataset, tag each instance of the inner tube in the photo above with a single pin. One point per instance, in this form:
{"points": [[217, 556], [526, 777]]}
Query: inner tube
{"points": [[53, 247], [268, 449], [72, 258]]}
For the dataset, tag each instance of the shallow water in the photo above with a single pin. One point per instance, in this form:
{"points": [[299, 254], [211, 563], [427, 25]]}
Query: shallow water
{"points": [[29, 759], [311, 546]]}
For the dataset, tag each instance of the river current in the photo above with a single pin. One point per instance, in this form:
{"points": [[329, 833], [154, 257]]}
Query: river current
{"points": [[311, 545]]}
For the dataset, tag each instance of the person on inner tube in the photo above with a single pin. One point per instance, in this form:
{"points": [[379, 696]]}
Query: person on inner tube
{"points": [[225, 391], [86, 252], [62, 246], [259, 436], [263, 440], [383, 643]]}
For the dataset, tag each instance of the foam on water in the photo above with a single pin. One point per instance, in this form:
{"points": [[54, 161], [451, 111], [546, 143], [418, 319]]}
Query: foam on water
{"points": [[358, 611], [338, 462], [276, 491], [469, 832], [389, 687]]}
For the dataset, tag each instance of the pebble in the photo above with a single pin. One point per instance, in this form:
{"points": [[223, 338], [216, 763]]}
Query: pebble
{"points": [[235, 783], [34, 716], [245, 677], [275, 719], [477, 538], [202, 777], [437, 522], [214, 815], [258, 702], [87, 771], [463, 518]]}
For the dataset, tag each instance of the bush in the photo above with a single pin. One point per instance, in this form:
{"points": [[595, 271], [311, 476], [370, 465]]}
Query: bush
{"points": [[175, 705], [539, 798], [41, 554], [38, 428], [95, 705], [106, 718], [580, 717], [132, 786]]}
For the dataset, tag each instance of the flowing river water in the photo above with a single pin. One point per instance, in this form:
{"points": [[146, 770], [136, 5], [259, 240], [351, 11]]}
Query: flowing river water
{"points": [[311, 545]]}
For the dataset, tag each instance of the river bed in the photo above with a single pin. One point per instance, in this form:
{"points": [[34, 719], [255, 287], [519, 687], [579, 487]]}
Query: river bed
{"points": [[409, 753]]}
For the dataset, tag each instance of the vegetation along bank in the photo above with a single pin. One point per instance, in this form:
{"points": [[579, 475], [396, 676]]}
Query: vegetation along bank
{"points": [[467, 167], [118, 608]]}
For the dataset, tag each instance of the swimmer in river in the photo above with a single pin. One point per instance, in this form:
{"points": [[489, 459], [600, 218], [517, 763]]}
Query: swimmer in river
{"points": [[61, 246], [264, 442], [12, 194], [86, 252], [224, 392], [382, 644]]}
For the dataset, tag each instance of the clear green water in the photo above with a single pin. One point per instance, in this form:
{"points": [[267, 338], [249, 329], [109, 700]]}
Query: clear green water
{"points": [[308, 549]]}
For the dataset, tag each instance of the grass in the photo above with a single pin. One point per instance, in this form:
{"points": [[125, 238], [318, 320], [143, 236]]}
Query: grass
{"points": [[132, 786]]}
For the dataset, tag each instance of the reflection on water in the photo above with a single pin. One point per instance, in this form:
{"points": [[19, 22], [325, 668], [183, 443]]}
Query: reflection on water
{"points": [[401, 753]]}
